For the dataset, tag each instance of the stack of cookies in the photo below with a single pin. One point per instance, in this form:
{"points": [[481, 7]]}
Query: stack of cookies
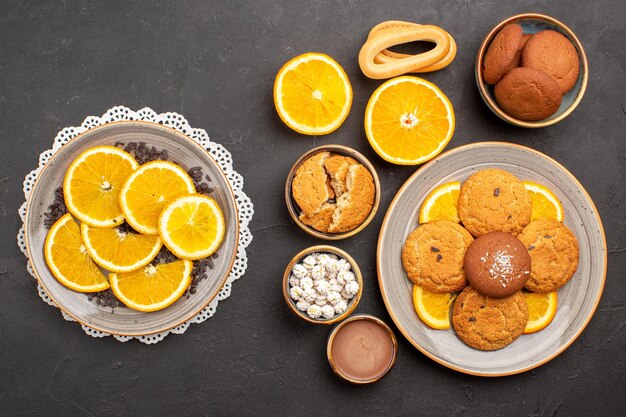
{"points": [[530, 72], [495, 255], [335, 193]]}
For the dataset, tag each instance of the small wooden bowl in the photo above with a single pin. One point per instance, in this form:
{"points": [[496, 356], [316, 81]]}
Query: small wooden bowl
{"points": [[323, 249], [331, 338], [294, 210], [532, 23]]}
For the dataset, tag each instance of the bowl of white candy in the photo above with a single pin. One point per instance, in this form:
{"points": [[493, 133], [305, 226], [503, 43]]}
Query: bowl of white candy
{"points": [[322, 284]]}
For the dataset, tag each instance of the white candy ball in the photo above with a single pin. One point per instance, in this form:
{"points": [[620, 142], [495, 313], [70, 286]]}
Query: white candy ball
{"points": [[314, 311], [328, 311], [310, 261], [294, 281], [318, 272], [300, 271], [295, 293], [302, 305], [306, 283], [309, 295], [341, 306]]}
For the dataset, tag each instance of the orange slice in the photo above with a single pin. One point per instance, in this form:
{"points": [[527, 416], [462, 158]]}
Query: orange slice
{"points": [[545, 204], [92, 184], [118, 250], [541, 310], [68, 259], [441, 203], [151, 188], [192, 227], [312, 94], [154, 287], [433, 308], [408, 120]]}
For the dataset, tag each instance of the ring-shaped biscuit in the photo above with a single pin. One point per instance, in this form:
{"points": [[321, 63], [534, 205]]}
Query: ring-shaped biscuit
{"points": [[388, 56], [386, 39]]}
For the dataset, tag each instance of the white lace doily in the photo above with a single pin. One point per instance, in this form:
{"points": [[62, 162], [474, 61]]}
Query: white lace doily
{"points": [[223, 158]]}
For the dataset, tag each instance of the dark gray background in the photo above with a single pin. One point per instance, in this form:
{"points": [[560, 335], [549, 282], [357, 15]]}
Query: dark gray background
{"points": [[215, 62]]}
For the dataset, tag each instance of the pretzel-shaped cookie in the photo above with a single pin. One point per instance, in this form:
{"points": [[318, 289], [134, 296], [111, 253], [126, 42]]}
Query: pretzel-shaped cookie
{"points": [[388, 56], [378, 63]]}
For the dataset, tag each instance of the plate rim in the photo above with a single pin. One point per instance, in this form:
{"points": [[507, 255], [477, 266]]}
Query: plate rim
{"points": [[222, 280], [386, 220]]}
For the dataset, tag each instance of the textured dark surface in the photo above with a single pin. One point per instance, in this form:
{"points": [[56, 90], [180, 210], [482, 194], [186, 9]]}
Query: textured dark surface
{"points": [[215, 62]]}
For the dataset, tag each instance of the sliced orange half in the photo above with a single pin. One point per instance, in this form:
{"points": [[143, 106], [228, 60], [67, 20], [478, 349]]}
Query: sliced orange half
{"points": [[409, 120], [92, 184], [68, 259], [433, 308], [541, 310], [441, 204], [149, 189], [545, 204], [153, 287], [192, 227], [312, 94], [117, 250]]}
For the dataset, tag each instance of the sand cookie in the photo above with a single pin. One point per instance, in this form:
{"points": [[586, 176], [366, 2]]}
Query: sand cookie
{"points": [[433, 253], [487, 323], [309, 187], [337, 168], [321, 219], [356, 201], [503, 53], [553, 249], [497, 264], [494, 200], [528, 94], [554, 54]]}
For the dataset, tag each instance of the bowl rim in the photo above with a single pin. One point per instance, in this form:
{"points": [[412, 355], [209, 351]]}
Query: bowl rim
{"points": [[357, 317], [493, 106], [222, 280], [323, 249], [345, 151]]}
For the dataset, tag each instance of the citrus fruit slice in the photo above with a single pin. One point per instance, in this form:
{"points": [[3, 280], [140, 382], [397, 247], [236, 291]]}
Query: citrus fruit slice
{"points": [[408, 120], [312, 94], [541, 310], [68, 259], [118, 249], [151, 188], [545, 204], [441, 204], [153, 287], [433, 308], [92, 184], [192, 227]]}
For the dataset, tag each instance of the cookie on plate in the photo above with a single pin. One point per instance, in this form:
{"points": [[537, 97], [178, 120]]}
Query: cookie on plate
{"points": [[433, 253], [487, 323], [309, 186], [497, 264], [494, 200], [553, 249], [528, 94], [356, 201], [503, 53], [554, 54]]}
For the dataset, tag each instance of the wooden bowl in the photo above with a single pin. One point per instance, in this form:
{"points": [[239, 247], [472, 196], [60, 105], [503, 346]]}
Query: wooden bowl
{"points": [[532, 23], [323, 249], [331, 338], [294, 210]]}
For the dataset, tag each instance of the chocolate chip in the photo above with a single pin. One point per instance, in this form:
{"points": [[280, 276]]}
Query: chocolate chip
{"points": [[496, 192], [509, 217], [434, 249], [472, 319], [531, 247], [439, 257], [547, 237]]}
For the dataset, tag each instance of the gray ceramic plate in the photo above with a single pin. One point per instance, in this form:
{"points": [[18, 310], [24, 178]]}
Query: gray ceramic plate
{"points": [[577, 300], [124, 321]]}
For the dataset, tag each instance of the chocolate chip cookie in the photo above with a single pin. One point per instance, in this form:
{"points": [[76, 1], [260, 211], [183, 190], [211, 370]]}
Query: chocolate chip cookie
{"points": [[433, 253], [487, 323]]}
